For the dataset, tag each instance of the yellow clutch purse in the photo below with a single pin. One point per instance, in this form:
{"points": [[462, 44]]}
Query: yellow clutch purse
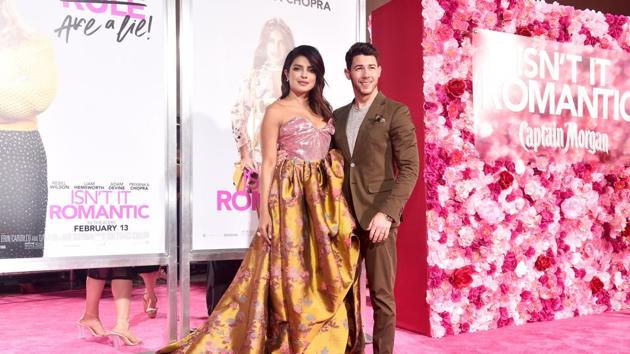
{"points": [[237, 177]]}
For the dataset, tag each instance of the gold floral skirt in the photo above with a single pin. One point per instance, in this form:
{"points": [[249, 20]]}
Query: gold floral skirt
{"points": [[298, 294]]}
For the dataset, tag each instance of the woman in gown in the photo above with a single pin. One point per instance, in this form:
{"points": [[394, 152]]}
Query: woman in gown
{"points": [[297, 289]]}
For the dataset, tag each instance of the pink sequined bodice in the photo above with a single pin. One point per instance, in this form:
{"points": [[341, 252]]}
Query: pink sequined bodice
{"points": [[303, 140]]}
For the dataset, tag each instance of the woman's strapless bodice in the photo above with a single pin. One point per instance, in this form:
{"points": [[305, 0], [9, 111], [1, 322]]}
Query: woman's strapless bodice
{"points": [[301, 139]]}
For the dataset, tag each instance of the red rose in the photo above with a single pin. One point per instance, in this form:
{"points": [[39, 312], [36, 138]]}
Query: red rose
{"points": [[542, 263], [455, 87], [626, 232], [462, 277], [505, 179], [523, 31], [596, 285]]}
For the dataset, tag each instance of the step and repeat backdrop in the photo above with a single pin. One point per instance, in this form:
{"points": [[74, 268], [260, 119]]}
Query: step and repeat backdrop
{"points": [[237, 51], [527, 117], [83, 129]]}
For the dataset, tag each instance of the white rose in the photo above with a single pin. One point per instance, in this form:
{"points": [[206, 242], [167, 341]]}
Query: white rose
{"points": [[576, 258], [433, 235], [501, 234], [530, 217], [618, 280], [574, 207], [466, 236], [437, 331], [534, 189], [519, 167], [521, 269], [490, 211], [462, 190], [443, 194]]}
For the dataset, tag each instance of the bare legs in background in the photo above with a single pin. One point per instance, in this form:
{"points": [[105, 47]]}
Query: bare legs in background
{"points": [[150, 298], [121, 289]]}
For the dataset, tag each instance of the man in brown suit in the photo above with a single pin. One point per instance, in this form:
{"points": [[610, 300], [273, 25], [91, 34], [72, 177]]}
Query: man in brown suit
{"points": [[378, 141]]}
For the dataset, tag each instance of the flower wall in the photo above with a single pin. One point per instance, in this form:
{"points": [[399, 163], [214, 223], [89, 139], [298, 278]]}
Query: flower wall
{"points": [[514, 241]]}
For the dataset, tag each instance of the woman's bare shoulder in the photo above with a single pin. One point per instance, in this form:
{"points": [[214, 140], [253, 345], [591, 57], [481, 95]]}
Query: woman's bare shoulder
{"points": [[276, 111]]}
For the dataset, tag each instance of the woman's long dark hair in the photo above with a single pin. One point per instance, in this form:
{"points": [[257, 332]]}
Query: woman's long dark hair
{"points": [[316, 100]]}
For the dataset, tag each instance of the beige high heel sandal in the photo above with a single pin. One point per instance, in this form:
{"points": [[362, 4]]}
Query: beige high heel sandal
{"points": [[119, 339], [151, 311]]}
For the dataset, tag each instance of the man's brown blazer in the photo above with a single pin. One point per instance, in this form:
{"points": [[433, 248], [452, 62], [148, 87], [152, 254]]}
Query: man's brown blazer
{"points": [[381, 172]]}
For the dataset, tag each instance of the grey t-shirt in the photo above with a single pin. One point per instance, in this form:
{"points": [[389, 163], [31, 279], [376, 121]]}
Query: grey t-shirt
{"points": [[355, 118]]}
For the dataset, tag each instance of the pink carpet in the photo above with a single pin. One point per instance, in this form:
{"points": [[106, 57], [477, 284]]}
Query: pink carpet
{"points": [[44, 323]]}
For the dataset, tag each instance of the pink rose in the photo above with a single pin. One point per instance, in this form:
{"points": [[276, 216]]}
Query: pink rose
{"points": [[615, 25], [446, 323], [430, 106], [455, 157], [464, 327], [493, 268], [508, 15], [436, 276], [443, 32], [454, 109], [456, 295], [509, 262], [530, 252], [490, 20], [475, 296], [603, 298], [504, 318]]}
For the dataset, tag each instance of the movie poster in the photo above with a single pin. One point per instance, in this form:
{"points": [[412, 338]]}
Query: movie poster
{"points": [[83, 124], [238, 50]]}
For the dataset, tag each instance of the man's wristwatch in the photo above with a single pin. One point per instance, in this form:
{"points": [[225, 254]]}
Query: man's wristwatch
{"points": [[389, 218]]}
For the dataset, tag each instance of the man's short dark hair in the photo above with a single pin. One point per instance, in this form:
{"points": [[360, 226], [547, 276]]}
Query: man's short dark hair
{"points": [[360, 48]]}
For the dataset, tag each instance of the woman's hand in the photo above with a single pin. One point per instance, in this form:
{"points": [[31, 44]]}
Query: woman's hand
{"points": [[247, 162], [264, 226], [246, 158]]}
